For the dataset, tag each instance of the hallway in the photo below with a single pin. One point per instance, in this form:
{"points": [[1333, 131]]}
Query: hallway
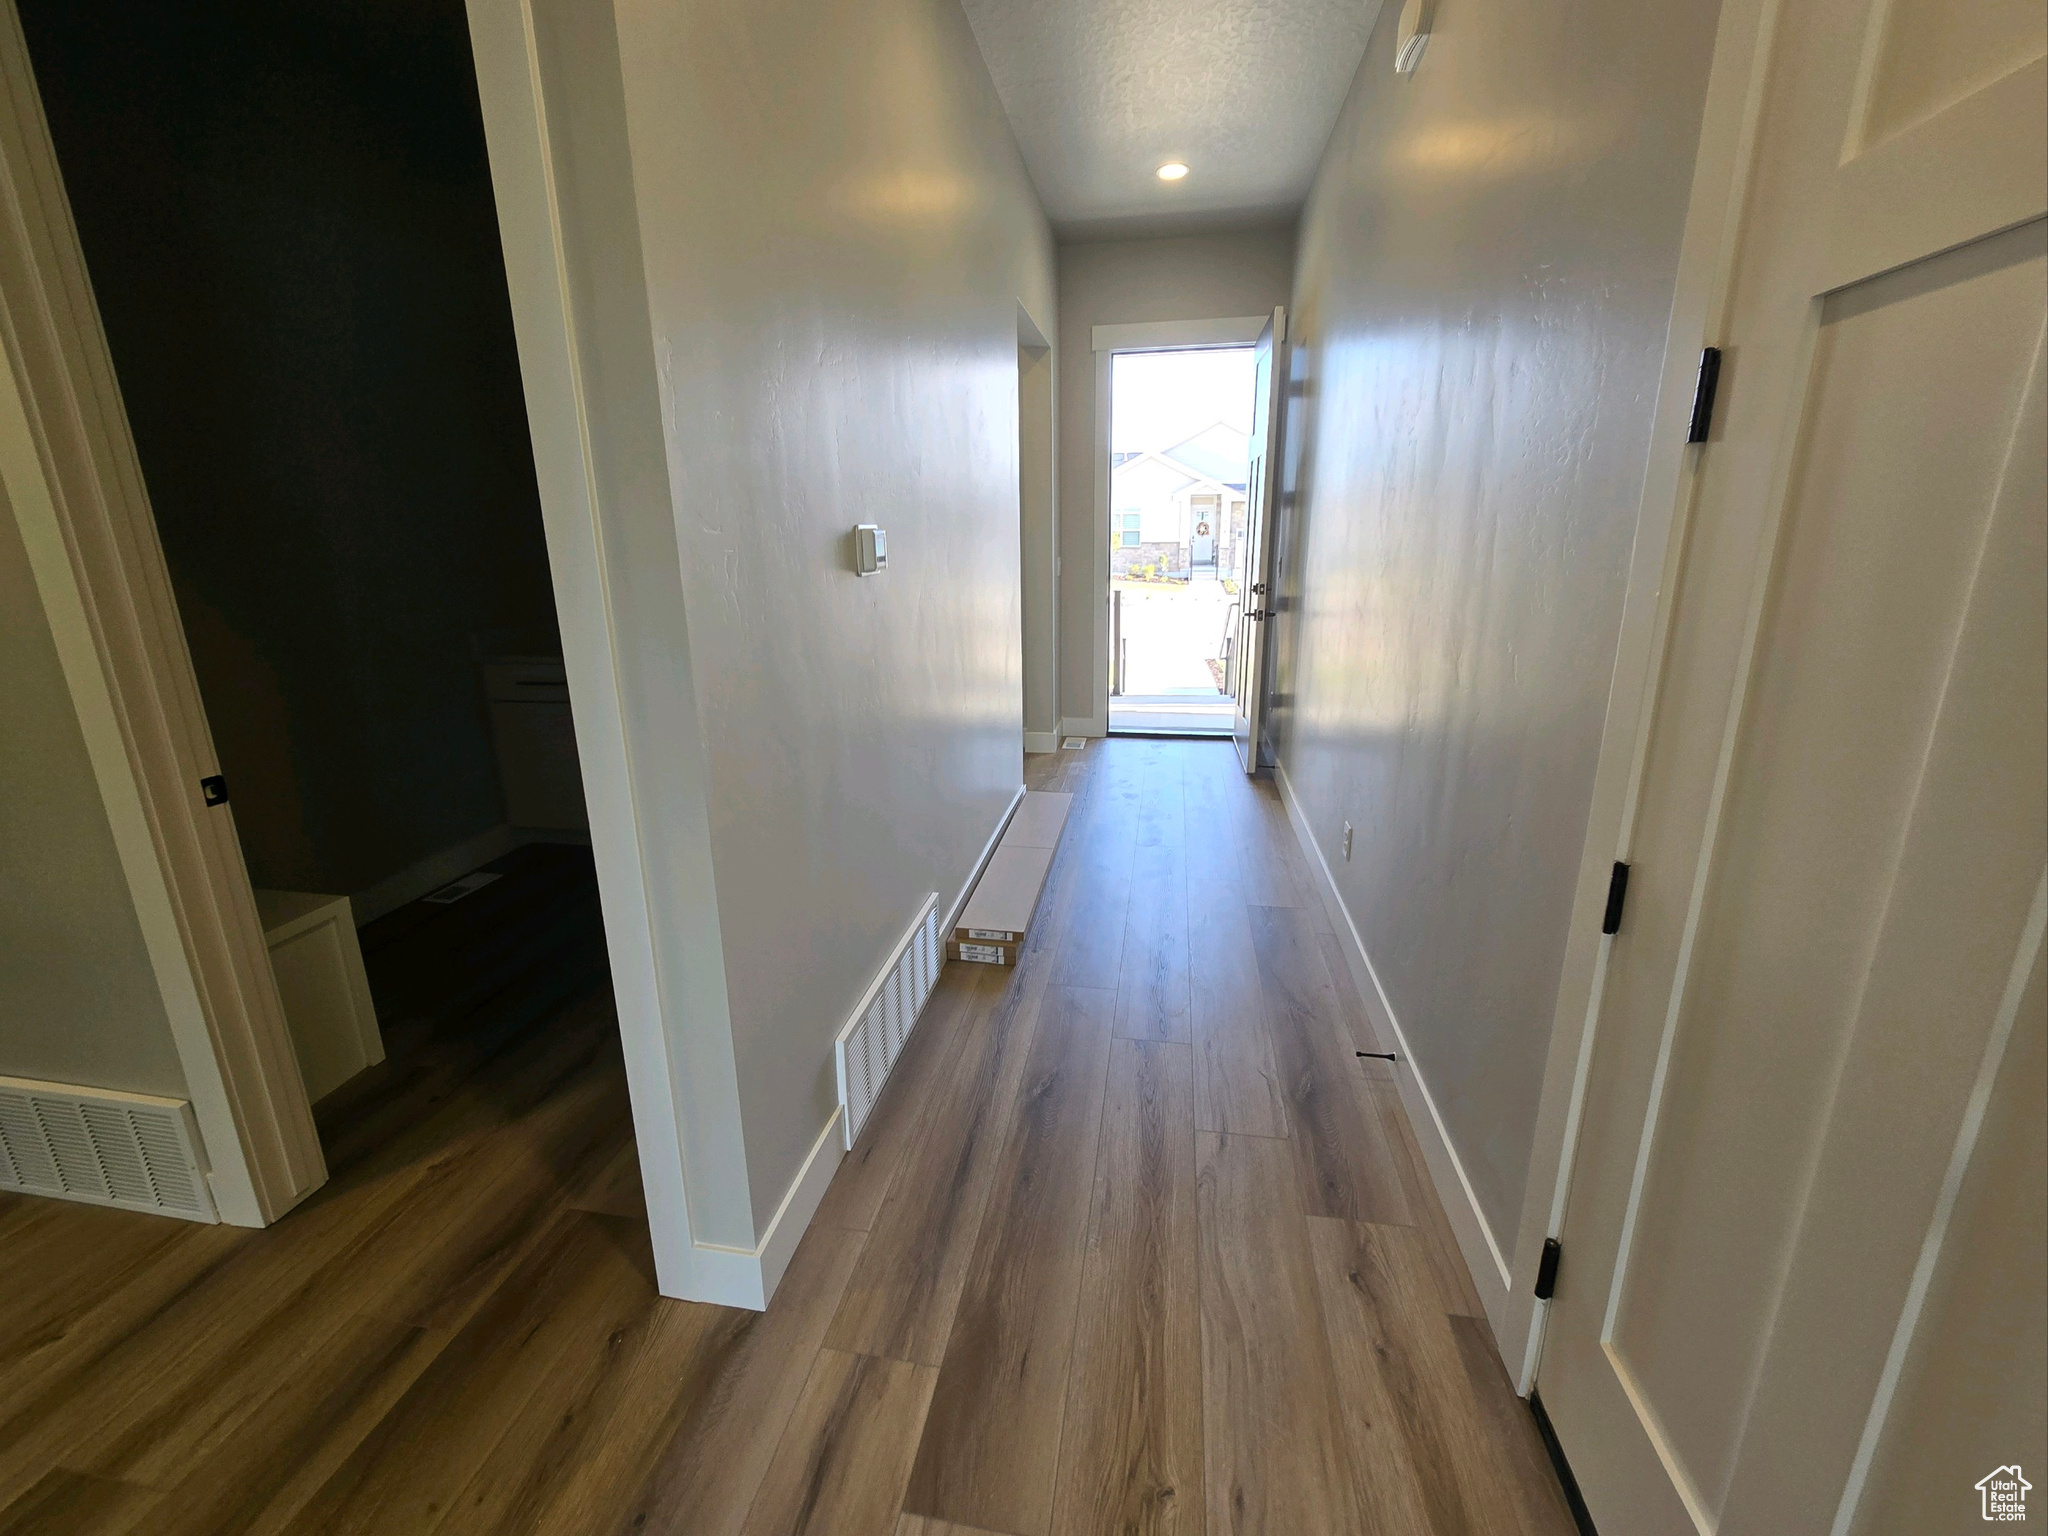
{"points": [[700, 462], [1132, 1243]]}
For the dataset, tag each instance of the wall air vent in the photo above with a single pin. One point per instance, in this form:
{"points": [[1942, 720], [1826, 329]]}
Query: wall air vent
{"points": [[873, 1038], [132, 1150]]}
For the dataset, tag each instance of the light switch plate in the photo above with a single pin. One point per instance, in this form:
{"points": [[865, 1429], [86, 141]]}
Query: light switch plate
{"points": [[870, 549]]}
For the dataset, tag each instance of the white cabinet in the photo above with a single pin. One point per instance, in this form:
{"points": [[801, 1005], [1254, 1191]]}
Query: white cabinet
{"points": [[326, 993], [536, 743]]}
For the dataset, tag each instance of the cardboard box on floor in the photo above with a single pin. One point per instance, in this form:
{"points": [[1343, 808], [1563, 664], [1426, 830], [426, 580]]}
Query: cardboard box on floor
{"points": [[998, 915], [983, 954]]}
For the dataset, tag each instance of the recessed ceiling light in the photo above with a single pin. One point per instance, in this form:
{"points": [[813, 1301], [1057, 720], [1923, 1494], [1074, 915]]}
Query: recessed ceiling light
{"points": [[1173, 170]]}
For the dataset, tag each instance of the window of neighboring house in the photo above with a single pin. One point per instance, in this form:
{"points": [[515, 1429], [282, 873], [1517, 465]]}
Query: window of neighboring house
{"points": [[1127, 529]]}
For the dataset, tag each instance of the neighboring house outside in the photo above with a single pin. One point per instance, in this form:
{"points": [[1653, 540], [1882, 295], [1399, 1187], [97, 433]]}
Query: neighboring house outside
{"points": [[1180, 509]]}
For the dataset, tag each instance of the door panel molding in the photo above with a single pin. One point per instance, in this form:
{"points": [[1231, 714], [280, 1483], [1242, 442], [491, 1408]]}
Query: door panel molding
{"points": [[1976, 830], [1981, 195]]}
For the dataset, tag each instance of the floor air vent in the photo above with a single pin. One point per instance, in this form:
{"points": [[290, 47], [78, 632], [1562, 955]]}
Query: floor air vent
{"points": [[125, 1149], [867, 1048]]}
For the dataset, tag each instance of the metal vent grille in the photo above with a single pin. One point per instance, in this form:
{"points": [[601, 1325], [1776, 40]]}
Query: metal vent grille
{"points": [[873, 1038], [109, 1148]]}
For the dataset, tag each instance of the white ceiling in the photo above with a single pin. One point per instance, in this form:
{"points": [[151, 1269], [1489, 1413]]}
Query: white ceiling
{"points": [[1100, 93]]}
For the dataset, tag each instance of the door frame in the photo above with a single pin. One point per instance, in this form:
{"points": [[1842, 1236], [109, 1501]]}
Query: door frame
{"points": [[1262, 494], [1038, 527], [1108, 341], [1728, 128], [70, 470], [69, 466]]}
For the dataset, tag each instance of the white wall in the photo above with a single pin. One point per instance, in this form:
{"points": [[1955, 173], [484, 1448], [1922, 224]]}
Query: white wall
{"points": [[1486, 275], [79, 1001], [786, 246], [837, 230], [1120, 282]]}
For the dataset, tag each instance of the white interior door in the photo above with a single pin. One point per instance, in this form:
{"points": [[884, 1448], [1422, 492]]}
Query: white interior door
{"points": [[1254, 555], [1820, 1038]]}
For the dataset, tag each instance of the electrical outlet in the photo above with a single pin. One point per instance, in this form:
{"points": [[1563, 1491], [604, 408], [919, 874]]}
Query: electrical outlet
{"points": [[1347, 842]]}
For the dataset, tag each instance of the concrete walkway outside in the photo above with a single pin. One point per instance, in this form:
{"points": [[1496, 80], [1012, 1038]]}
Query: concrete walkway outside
{"points": [[1173, 657]]}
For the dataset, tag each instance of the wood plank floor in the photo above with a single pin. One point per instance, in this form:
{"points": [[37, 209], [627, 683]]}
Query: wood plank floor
{"points": [[1132, 1244]]}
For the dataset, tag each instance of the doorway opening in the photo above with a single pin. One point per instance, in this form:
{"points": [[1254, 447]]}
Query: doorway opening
{"points": [[1179, 472], [293, 247]]}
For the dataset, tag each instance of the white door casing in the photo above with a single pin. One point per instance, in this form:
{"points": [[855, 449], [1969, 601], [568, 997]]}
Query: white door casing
{"points": [[1834, 924], [1254, 551], [1107, 341]]}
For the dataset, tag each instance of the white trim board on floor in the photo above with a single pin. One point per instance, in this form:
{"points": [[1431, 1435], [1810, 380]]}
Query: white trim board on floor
{"points": [[988, 851], [1507, 1313]]}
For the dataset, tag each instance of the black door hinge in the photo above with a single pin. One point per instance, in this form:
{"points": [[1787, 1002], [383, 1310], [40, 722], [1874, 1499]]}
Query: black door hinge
{"points": [[1703, 396], [1617, 895], [1546, 1271], [213, 789]]}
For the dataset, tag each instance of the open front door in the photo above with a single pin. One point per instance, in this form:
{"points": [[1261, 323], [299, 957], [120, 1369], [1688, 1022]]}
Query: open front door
{"points": [[1254, 550], [1801, 1256]]}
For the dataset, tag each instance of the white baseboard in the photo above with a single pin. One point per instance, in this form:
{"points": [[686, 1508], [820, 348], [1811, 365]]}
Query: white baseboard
{"points": [[799, 1204], [747, 1277], [1041, 741], [1084, 725], [452, 863], [433, 872], [1509, 1315], [567, 837], [740, 1277]]}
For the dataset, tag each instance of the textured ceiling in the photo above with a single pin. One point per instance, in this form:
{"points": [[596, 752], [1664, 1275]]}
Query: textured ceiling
{"points": [[1100, 93]]}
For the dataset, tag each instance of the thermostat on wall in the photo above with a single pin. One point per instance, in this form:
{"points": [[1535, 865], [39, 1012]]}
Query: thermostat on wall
{"points": [[870, 550]]}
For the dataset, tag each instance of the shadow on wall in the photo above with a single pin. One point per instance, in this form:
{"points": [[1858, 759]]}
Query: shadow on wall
{"points": [[287, 215]]}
